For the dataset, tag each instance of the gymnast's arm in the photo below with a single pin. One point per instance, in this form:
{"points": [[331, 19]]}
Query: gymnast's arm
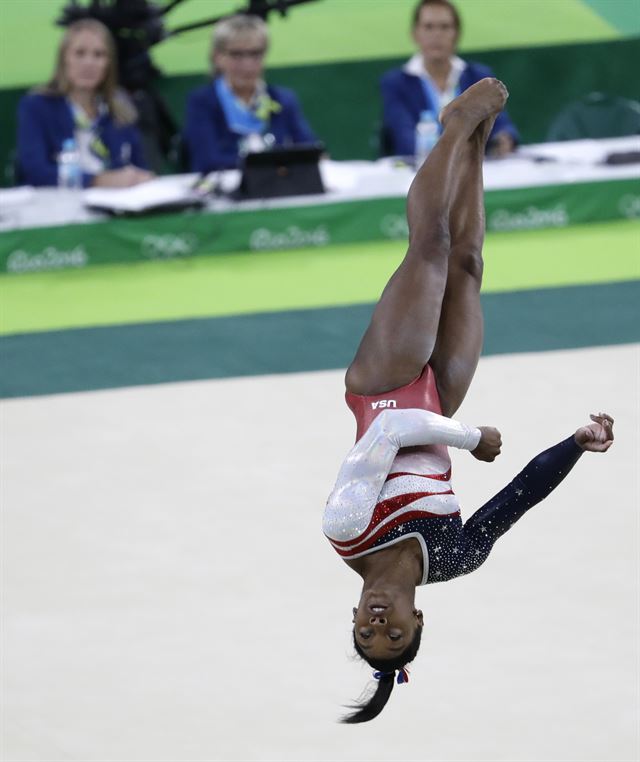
{"points": [[367, 465], [537, 480]]}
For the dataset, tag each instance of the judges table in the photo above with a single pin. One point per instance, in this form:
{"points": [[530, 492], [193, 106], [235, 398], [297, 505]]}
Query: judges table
{"points": [[547, 185]]}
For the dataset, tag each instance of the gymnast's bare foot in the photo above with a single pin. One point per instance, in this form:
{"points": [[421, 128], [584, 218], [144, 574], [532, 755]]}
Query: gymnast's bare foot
{"points": [[483, 100]]}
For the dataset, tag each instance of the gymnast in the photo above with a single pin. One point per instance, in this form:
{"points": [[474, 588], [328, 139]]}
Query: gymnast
{"points": [[392, 515]]}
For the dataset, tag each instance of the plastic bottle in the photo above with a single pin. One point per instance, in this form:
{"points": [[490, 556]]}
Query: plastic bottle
{"points": [[69, 170], [251, 143], [427, 134]]}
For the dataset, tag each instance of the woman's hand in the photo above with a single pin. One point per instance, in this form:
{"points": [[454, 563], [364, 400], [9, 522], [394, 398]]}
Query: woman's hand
{"points": [[596, 436], [489, 445], [122, 178]]}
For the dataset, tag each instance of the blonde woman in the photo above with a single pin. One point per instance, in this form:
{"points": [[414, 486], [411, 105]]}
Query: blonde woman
{"points": [[238, 107], [81, 102]]}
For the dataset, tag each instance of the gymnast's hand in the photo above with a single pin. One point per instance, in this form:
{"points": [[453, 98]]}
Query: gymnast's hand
{"points": [[489, 445], [596, 436]]}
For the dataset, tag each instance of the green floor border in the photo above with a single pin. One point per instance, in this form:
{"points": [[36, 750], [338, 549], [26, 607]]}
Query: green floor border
{"points": [[299, 279], [286, 342]]}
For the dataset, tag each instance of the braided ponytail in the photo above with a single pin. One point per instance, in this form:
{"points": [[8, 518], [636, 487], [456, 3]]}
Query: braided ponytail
{"points": [[385, 675]]}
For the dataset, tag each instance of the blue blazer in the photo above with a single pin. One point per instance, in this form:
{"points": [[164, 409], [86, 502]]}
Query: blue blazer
{"points": [[404, 98], [212, 145], [46, 121]]}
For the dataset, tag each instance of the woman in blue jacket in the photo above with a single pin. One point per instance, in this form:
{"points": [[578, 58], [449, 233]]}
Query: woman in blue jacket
{"points": [[81, 102], [237, 111], [431, 79]]}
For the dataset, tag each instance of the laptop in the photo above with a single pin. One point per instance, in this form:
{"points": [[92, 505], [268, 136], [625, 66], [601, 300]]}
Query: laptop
{"points": [[282, 171]]}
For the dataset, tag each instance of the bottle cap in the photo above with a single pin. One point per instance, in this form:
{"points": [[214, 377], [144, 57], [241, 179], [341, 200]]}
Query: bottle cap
{"points": [[427, 116], [69, 144]]}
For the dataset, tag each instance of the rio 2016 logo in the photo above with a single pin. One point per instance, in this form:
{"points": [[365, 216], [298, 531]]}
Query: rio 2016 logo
{"points": [[630, 206], [50, 258], [169, 245], [529, 218], [394, 226], [291, 237]]}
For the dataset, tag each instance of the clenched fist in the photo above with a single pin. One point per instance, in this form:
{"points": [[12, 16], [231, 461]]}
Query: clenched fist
{"points": [[596, 436], [489, 446]]}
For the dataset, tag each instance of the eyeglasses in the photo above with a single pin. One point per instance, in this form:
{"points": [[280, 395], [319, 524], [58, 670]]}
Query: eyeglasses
{"points": [[431, 27], [255, 54]]}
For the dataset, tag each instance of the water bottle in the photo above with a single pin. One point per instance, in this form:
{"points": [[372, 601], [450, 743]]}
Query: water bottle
{"points": [[426, 137], [69, 169], [252, 143]]}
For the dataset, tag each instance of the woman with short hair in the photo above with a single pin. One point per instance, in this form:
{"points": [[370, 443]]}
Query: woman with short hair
{"points": [[238, 112], [81, 102]]}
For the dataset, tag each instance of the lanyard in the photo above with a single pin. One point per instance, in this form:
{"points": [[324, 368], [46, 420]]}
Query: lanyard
{"points": [[90, 127], [243, 119], [435, 98]]}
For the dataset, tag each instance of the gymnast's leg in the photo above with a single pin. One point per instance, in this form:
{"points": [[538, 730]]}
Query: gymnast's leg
{"points": [[404, 327], [460, 331]]}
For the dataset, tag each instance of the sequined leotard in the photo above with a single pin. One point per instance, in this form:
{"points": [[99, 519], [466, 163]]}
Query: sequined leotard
{"points": [[396, 484]]}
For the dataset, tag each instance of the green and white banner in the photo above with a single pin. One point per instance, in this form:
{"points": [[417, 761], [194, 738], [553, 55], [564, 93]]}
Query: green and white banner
{"points": [[173, 236]]}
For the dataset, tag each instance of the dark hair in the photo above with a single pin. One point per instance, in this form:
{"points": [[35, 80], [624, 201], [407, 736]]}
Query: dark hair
{"points": [[369, 709], [454, 12]]}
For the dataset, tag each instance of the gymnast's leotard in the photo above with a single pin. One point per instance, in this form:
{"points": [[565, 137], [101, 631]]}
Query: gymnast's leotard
{"points": [[396, 484]]}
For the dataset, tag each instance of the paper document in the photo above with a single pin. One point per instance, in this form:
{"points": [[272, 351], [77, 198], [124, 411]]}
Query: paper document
{"points": [[173, 190]]}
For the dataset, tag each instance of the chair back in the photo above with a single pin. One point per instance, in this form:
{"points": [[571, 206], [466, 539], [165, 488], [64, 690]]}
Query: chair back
{"points": [[597, 115]]}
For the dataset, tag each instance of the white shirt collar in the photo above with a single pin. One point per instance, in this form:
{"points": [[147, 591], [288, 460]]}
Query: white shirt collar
{"points": [[82, 119], [415, 66]]}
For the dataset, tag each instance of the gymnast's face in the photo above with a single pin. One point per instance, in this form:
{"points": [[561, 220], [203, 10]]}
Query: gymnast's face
{"points": [[86, 60], [383, 627], [435, 33]]}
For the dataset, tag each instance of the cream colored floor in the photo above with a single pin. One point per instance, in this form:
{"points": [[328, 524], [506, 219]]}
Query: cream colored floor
{"points": [[168, 594]]}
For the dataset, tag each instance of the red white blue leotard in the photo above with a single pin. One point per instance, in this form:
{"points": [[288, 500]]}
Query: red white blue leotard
{"points": [[420, 477], [396, 484]]}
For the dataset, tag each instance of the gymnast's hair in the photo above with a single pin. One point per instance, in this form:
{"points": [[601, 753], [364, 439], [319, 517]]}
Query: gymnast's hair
{"points": [[372, 707]]}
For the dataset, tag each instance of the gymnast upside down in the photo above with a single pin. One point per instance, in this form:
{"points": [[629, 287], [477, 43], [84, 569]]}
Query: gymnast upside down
{"points": [[392, 515]]}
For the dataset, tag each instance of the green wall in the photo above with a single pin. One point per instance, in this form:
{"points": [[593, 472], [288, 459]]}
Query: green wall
{"points": [[336, 69], [326, 31], [343, 105]]}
